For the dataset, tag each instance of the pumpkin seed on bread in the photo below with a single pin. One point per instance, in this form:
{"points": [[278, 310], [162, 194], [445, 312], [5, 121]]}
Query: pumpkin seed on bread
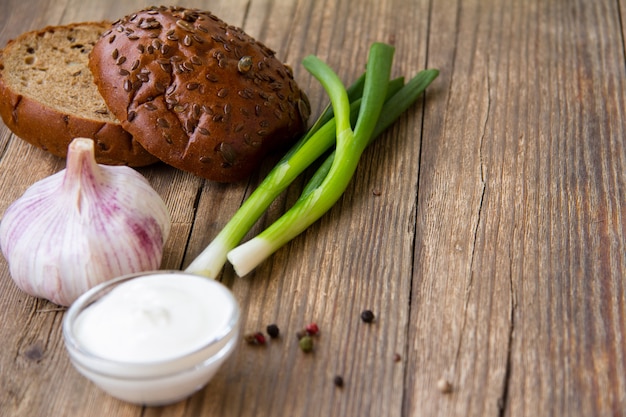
{"points": [[201, 95], [48, 96]]}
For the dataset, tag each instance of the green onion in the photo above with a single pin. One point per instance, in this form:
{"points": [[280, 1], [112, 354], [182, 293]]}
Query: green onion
{"points": [[370, 96], [401, 99]]}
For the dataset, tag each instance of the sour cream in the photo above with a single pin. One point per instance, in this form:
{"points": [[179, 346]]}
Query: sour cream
{"points": [[152, 338], [154, 318]]}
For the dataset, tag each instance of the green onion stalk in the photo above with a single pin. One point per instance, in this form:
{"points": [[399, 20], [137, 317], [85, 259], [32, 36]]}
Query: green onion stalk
{"points": [[371, 105]]}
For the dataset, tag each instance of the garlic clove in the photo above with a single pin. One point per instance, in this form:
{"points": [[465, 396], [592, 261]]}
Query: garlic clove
{"points": [[82, 226]]}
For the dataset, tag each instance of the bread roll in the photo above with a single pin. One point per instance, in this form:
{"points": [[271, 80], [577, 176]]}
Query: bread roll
{"points": [[197, 93]]}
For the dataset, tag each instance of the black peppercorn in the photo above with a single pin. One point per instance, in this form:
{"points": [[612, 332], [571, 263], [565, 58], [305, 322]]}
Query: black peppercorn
{"points": [[273, 331], [338, 381], [367, 316]]}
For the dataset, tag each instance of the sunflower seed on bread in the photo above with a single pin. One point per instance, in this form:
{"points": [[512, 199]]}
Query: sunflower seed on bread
{"points": [[48, 96], [199, 94]]}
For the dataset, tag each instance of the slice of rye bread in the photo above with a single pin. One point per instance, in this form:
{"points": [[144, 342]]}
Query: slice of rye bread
{"points": [[48, 96], [201, 95]]}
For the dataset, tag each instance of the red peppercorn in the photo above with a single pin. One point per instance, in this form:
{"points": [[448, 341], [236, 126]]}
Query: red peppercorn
{"points": [[260, 338], [257, 338], [312, 329]]}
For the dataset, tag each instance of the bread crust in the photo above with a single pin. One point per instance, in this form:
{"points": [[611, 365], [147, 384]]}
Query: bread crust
{"points": [[199, 94], [52, 129]]}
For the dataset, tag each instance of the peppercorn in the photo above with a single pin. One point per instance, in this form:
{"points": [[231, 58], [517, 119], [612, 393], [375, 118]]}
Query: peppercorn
{"points": [[444, 386], [306, 344], [273, 331], [257, 338], [260, 338], [338, 381], [301, 333], [367, 316], [312, 329]]}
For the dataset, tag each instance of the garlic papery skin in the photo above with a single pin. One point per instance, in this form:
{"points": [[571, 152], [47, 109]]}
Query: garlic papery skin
{"points": [[82, 226]]}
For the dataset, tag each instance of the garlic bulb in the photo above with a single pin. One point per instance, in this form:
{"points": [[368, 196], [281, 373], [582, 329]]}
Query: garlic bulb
{"points": [[82, 226]]}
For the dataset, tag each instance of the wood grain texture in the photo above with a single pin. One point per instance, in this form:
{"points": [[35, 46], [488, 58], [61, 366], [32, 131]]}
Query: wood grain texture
{"points": [[520, 242], [486, 229]]}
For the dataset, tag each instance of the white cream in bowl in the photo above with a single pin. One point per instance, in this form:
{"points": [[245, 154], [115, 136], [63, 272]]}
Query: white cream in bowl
{"points": [[152, 338]]}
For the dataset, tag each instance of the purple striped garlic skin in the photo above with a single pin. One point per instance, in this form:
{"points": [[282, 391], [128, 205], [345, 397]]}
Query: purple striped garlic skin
{"points": [[82, 226]]}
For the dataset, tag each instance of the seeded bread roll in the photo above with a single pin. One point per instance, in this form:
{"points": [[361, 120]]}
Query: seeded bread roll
{"points": [[48, 96], [199, 94]]}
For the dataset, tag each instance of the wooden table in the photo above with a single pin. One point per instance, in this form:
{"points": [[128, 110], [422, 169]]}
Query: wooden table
{"points": [[486, 229]]}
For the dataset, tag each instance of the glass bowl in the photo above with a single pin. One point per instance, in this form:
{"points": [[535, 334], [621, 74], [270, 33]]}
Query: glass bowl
{"points": [[165, 368]]}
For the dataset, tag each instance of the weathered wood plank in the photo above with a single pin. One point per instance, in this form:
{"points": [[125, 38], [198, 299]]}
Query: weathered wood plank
{"points": [[520, 247], [580, 304]]}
